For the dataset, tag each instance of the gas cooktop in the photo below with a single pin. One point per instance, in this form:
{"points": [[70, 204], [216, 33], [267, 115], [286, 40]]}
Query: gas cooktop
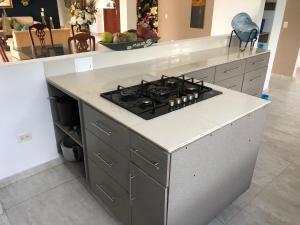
{"points": [[152, 99]]}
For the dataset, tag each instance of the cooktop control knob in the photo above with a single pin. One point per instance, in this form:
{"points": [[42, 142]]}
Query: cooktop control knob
{"points": [[171, 103], [196, 95], [190, 97], [178, 101], [184, 99]]}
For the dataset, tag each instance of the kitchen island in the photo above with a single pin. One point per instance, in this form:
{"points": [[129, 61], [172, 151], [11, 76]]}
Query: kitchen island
{"points": [[183, 167]]}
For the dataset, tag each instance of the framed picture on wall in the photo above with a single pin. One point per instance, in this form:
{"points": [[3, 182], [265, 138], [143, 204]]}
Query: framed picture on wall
{"points": [[198, 13], [6, 4]]}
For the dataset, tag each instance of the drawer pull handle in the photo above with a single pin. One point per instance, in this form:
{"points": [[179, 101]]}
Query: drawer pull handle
{"points": [[151, 163], [258, 61], [108, 133], [98, 155], [254, 78], [112, 199], [235, 68], [233, 86], [131, 178]]}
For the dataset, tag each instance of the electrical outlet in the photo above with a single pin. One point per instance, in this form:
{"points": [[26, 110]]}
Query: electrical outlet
{"points": [[285, 25], [24, 137], [83, 64]]}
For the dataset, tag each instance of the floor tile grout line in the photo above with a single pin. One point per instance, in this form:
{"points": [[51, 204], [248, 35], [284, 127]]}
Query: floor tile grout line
{"points": [[30, 176], [243, 209], [41, 193], [284, 132]]}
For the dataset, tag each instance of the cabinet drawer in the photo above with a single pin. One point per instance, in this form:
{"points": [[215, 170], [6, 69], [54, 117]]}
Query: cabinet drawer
{"points": [[234, 83], [109, 131], [256, 62], [109, 192], [108, 159], [207, 75], [149, 157], [254, 91], [229, 70], [255, 80]]}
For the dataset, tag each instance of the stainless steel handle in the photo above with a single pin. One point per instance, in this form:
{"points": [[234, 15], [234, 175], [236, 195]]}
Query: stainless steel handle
{"points": [[109, 164], [151, 163], [108, 133], [131, 177], [235, 68], [255, 78], [112, 199], [233, 86], [257, 61]]}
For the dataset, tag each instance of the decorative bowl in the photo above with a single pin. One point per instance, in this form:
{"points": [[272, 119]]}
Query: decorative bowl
{"points": [[130, 45]]}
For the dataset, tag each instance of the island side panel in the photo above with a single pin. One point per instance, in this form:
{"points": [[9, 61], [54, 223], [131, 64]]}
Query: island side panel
{"points": [[209, 174]]}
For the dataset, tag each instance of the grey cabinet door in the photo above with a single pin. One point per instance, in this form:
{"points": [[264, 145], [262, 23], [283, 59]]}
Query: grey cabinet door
{"points": [[148, 199]]}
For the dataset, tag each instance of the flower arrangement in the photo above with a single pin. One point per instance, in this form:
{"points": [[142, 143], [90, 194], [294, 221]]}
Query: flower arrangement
{"points": [[83, 13]]}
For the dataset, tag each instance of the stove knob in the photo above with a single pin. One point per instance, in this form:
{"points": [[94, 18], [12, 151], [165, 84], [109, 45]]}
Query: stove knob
{"points": [[190, 97], [196, 95], [184, 99], [178, 101], [171, 103]]}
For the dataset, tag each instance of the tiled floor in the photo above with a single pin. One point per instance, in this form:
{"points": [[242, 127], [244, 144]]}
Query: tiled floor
{"points": [[58, 197]]}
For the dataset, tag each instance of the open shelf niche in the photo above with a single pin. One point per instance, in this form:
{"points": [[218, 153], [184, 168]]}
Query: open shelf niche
{"points": [[73, 132]]}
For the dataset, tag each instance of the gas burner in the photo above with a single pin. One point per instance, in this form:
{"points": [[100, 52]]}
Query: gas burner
{"points": [[152, 99], [128, 94], [191, 90], [158, 91], [144, 102]]}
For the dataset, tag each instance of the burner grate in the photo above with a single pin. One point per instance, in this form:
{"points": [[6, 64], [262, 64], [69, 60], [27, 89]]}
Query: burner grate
{"points": [[152, 99]]}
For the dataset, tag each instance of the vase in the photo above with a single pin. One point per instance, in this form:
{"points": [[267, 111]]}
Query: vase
{"points": [[84, 28]]}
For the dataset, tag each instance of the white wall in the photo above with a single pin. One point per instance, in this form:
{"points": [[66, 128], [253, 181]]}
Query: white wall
{"points": [[274, 37], [128, 15], [225, 10], [24, 108], [269, 17]]}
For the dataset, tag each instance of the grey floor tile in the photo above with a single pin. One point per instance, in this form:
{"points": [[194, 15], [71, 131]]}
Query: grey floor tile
{"points": [[257, 218], [215, 222], [278, 207], [1, 209], [4, 220], [247, 197], [268, 167], [29, 187], [287, 186], [228, 214], [67, 204]]}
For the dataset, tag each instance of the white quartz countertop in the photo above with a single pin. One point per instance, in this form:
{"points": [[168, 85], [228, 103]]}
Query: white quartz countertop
{"points": [[178, 128]]}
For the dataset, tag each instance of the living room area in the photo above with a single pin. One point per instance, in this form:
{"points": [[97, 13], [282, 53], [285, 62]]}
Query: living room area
{"points": [[36, 29]]}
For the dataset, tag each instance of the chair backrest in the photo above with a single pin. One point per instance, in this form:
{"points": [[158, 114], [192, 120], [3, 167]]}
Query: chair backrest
{"points": [[76, 29], [83, 42], [2, 48], [39, 30]]}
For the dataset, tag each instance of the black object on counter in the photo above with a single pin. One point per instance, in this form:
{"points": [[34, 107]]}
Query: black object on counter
{"points": [[152, 99], [67, 111]]}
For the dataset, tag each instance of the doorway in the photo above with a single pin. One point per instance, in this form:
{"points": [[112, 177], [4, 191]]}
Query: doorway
{"points": [[111, 18]]}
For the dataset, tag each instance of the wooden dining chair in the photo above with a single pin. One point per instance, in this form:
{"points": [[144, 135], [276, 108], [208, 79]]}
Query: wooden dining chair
{"points": [[82, 42], [3, 48], [39, 31]]}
